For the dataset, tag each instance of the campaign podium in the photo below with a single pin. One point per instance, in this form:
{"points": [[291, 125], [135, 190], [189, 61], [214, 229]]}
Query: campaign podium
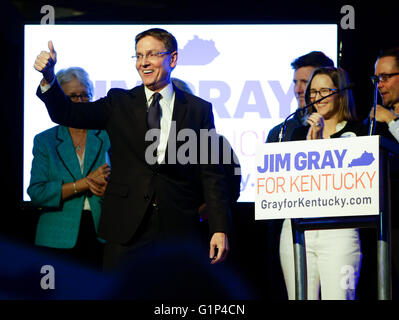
{"points": [[388, 155], [315, 183]]}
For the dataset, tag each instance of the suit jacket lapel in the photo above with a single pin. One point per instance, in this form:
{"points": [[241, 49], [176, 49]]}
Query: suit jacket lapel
{"points": [[138, 112], [67, 154], [179, 109], [92, 150], [178, 116], [138, 109]]}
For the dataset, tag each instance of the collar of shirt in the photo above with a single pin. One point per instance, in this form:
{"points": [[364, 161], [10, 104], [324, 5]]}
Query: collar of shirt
{"points": [[341, 125], [166, 103], [167, 95]]}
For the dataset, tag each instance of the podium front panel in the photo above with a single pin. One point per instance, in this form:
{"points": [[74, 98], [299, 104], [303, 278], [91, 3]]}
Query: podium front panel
{"points": [[317, 178]]}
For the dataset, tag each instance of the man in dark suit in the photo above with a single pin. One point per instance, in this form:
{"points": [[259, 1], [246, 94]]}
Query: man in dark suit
{"points": [[386, 70], [148, 200]]}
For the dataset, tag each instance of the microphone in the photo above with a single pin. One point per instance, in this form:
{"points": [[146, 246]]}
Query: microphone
{"points": [[375, 80], [306, 109]]}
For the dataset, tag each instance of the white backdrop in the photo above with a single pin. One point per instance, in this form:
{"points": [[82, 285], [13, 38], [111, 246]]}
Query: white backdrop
{"points": [[244, 70]]}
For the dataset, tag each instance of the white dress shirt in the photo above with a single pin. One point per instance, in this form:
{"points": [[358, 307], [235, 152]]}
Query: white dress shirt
{"points": [[393, 127], [81, 164], [167, 103]]}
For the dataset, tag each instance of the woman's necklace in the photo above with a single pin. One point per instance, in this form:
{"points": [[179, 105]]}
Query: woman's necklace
{"points": [[78, 148], [78, 144]]}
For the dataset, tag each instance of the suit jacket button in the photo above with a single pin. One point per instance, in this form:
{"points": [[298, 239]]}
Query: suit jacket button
{"points": [[146, 197]]}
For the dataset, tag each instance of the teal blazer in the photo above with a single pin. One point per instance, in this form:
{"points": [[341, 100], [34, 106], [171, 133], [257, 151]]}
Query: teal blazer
{"points": [[54, 163]]}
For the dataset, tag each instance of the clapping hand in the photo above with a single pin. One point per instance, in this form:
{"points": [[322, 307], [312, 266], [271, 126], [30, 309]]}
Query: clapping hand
{"points": [[383, 114], [316, 122], [98, 180]]}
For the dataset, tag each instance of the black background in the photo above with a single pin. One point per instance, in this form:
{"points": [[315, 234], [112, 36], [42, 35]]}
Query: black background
{"points": [[375, 29]]}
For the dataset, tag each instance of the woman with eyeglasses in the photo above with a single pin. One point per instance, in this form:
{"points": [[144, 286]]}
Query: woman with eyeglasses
{"points": [[68, 180], [333, 256]]}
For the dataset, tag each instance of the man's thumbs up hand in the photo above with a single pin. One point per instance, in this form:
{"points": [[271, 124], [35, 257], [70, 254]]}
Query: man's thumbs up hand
{"points": [[45, 63], [53, 54]]}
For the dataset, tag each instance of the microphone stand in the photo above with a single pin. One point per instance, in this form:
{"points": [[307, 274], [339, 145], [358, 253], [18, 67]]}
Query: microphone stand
{"points": [[281, 135], [375, 81]]}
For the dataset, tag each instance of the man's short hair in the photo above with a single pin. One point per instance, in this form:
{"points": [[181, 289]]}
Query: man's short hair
{"points": [[66, 75], [391, 52], [162, 35], [316, 59]]}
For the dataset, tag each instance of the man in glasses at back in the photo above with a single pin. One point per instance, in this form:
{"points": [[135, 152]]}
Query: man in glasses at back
{"points": [[387, 116], [387, 75]]}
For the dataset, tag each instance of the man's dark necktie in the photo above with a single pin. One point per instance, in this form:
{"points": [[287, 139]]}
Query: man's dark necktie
{"points": [[154, 112]]}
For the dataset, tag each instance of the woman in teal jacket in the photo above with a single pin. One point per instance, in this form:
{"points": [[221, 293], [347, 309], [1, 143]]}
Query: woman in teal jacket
{"points": [[68, 179]]}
